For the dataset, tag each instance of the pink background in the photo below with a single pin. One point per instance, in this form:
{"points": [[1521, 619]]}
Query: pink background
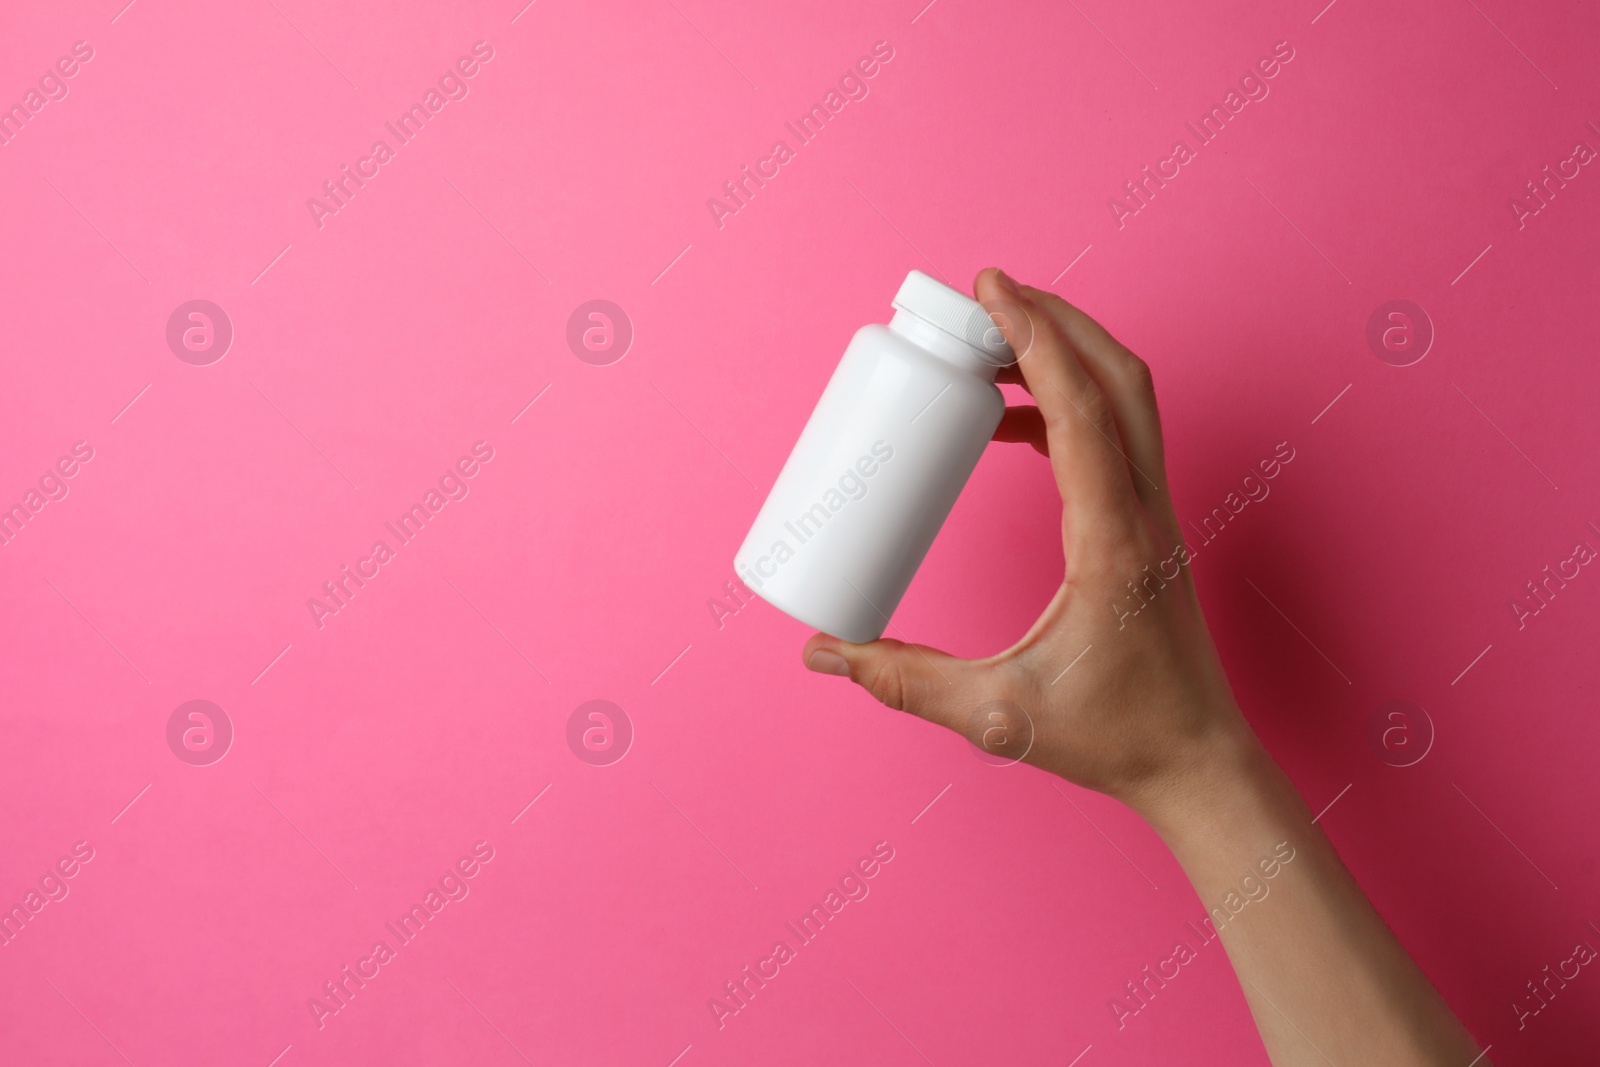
{"points": [[425, 716]]}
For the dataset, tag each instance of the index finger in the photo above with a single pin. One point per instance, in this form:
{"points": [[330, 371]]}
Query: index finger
{"points": [[1086, 452]]}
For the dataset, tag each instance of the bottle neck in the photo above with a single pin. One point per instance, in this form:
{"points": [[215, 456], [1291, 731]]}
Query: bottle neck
{"points": [[948, 347]]}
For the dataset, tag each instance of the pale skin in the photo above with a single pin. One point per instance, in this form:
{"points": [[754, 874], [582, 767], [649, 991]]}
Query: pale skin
{"points": [[1147, 715]]}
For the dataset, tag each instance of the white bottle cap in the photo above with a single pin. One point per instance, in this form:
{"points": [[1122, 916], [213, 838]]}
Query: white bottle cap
{"points": [[955, 313]]}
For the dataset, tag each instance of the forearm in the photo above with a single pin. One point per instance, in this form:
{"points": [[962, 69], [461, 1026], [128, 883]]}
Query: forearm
{"points": [[1324, 977]]}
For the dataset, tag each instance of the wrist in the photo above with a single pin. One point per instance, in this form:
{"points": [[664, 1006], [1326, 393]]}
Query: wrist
{"points": [[1226, 783]]}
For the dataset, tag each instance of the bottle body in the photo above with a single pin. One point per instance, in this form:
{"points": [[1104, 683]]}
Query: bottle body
{"points": [[876, 470]]}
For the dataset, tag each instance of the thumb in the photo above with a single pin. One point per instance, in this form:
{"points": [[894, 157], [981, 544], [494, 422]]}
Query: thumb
{"points": [[930, 684]]}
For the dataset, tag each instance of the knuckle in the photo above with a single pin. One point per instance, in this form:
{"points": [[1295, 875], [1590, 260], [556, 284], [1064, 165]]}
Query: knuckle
{"points": [[1095, 406], [1051, 301], [1139, 376], [888, 685], [1058, 418]]}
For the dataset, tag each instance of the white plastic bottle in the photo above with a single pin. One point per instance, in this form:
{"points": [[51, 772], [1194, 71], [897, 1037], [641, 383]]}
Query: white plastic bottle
{"points": [[880, 463]]}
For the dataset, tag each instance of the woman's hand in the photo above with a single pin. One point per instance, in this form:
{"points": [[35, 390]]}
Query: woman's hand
{"points": [[1117, 686]]}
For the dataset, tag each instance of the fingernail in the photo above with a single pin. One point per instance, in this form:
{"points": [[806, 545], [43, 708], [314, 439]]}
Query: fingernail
{"points": [[1005, 280], [824, 661]]}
